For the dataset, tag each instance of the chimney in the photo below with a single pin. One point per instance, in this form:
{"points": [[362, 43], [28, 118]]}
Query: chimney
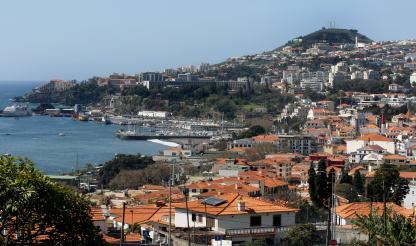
{"points": [[241, 206]]}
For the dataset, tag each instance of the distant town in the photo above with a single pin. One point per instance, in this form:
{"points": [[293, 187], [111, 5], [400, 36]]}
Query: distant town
{"points": [[313, 143]]}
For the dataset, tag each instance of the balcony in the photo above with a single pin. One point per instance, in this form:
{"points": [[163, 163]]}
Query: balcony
{"points": [[256, 231]]}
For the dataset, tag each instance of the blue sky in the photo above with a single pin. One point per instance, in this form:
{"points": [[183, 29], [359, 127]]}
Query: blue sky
{"points": [[77, 39]]}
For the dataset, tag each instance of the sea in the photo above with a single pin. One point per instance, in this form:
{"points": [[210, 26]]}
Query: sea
{"points": [[39, 139]]}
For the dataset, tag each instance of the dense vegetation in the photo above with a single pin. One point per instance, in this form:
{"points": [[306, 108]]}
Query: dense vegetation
{"points": [[392, 229], [331, 35], [188, 101], [368, 86], [388, 185], [39, 210], [123, 162], [82, 93]]}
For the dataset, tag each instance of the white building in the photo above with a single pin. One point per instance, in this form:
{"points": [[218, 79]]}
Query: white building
{"points": [[413, 79], [232, 212], [315, 84], [370, 139], [410, 200], [153, 114]]}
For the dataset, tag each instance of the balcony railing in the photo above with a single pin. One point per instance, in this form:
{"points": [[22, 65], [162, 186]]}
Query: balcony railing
{"points": [[268, 230], [256, 230]]}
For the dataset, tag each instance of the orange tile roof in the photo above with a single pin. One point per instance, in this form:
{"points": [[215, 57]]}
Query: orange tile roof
{"points": [[408, 175], [153, 187], [394, 157], [239, 149], [97, 214], [341, 147], [374, 137], [265, 138], [352, 210], [357, 168], [372, 126], [137, 214], [230, 207], [237, 161]]}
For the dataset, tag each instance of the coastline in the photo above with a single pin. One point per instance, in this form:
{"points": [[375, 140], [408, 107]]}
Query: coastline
{"points": [[165, 143]]}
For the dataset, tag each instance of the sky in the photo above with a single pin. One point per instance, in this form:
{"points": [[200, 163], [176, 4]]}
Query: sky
{"points": [[78, 39]]}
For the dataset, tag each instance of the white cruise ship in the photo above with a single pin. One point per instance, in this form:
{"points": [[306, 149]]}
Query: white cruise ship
{"points": [[15, 111]]}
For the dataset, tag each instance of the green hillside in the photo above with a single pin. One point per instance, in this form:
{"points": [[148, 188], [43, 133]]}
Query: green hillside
{"points": [[330, 35]]}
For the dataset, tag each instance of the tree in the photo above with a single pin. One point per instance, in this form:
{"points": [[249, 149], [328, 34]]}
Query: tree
{"points": [[302, 235], [358, 182], [39, 210], [227, 107], [123, 162], [348, 191], [252, 131], [312, 185], [345, 177], [398, 230], [155, 174], [387, 184], [322, 185]]}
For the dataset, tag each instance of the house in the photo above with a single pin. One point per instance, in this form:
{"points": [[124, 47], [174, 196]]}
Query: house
{"points": [[235, 216], [394, 159], [317, 113], [358, 156], [370, 139], [240, 143], [347, 213], [301, 144], [410, 200]]}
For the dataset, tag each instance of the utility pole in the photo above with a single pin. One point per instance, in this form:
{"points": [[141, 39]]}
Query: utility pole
{"points": [[385, 210], [122, 224], [187, 215], [206, 224], [171, 183]]}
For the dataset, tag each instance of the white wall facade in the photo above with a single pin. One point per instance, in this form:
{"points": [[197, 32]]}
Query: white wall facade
{"points": [[410, 200], [225, 222], [354, 145]]}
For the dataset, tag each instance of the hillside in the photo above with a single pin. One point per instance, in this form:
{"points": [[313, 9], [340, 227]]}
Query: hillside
{"points": [[330, 35]]}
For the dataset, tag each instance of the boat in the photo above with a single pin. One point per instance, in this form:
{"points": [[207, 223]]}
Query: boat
{"points": [[15, 110], [61, 134], [105, 120], [133, 135]]}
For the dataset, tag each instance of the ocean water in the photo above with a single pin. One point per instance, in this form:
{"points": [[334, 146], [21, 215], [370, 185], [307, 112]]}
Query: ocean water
{"points": [[38, 139]]}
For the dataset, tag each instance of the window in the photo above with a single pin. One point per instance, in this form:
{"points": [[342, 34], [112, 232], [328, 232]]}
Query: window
{"points": [[193, 217], [210, 222], [200, 218], [277, 220], [255, 221]]}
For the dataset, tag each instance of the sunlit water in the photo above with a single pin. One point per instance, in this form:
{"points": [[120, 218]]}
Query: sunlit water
{"points": [[38, 138]]}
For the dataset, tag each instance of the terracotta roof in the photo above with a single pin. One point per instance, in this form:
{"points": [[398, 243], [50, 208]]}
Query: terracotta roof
{"points": [[374, 137], [374, 147], [153, 187], [230, 207], [394, 157], [138, 214], [408, 175], [239, 149], [237, 161], [97, 214], [372, 126], [352, 210], [265, 138], [341, 148], [357, 168]]}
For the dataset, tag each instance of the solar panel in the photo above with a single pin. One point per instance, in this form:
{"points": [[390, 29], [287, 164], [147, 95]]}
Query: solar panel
{"points": [[213, 201]]}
